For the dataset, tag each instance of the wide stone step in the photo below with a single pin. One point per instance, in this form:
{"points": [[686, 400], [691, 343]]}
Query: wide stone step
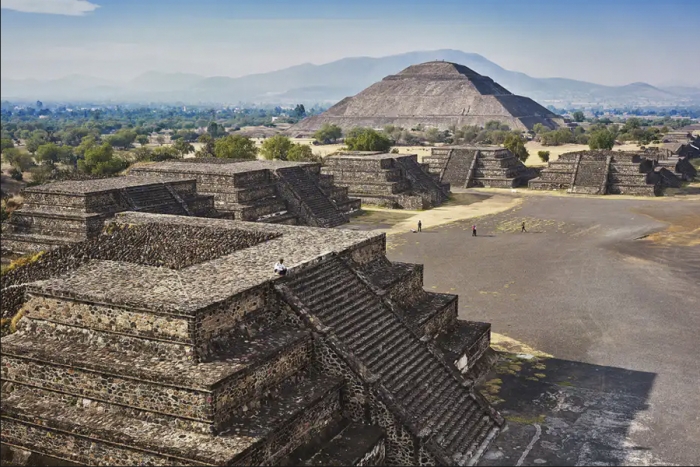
{"points": [[465, 342], [204, 393], [32, 243], [357, 444], [49, 305], [433, 314], [100, 437]]}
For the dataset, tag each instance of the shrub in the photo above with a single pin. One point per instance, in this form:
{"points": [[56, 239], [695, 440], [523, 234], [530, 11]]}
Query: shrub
{"points": [[543, 155], [367, 139], [16, 174]]}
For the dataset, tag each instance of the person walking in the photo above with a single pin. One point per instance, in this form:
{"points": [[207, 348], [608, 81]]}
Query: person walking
{"points": [[419, 226], [522, 228], [474, 230]]}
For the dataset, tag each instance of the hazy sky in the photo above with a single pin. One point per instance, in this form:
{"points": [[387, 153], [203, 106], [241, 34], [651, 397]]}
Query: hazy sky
{"points": [[604, 41]]}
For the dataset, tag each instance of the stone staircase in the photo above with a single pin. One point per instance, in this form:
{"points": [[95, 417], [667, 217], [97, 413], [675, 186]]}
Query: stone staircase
{"points": [[153, 198], [307, 198], [433, 192], [478, 166], [498, 168], [642, 173], [345, 307], [389, 180], [458, 168], [591, 177], [61, 213]]}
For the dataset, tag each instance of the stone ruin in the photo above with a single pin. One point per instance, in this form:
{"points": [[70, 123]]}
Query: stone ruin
{"points": [[200, 355], [478, 166], [643, 173], [434, 94], [264, 191], [389, 180], [59, 213]]}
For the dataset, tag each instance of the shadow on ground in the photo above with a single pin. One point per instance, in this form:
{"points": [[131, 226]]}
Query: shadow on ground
{"points": [[561, 412]]}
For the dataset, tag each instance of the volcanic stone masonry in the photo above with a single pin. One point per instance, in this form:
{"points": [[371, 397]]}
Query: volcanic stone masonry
{"points": [[433, 94], [643, 173], [390, 180], [58, 213], [478, 166], [175, 355], [264, 191]]}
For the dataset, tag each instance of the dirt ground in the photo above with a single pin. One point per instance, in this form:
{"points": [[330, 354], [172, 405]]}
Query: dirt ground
{"points": [[594, 311]]}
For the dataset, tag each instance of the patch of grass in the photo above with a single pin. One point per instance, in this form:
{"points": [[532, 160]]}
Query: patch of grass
{"points": [[525, 420], [565, 383], [21, 261]]}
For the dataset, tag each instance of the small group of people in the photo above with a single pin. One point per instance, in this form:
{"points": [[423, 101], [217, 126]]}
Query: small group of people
{"points": [[420, 226]]}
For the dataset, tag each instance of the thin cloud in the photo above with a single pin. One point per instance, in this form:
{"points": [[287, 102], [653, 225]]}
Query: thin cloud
{"points": [[51, 7]]}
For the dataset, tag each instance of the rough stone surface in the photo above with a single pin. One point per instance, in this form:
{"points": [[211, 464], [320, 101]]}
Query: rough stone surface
{"points": [[434, 94], [642, 173], [478, 166], [386, 179], [264, 191], [135, 349]]}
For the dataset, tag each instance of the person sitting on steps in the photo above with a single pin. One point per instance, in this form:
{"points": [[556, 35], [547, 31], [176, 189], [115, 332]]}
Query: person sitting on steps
{"points": [[280, 268]]}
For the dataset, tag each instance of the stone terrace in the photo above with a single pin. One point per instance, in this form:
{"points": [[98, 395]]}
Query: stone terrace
{"points": [[63, 212], [346, 360], [265, 191], [391, 180], [477, 166], [643, 173]]}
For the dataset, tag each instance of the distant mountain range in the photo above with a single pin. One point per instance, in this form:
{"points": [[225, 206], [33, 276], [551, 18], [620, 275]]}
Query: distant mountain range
{"points": [[330, 82]]}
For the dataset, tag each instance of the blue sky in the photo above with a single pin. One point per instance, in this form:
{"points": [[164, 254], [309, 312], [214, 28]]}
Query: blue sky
{"points": [[608, 42]]}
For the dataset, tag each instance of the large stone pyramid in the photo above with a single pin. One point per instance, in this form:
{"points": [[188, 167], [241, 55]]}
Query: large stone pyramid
{"points": [[434, 94]]}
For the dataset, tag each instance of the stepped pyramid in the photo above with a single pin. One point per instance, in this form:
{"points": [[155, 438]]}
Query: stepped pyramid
{"points": [[168, 341], [65, 212], [477, 166], [390, 180], [264, 191], [434, 94], [601, 172]]}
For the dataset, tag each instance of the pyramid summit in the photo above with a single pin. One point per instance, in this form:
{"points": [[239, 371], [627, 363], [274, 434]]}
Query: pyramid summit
{"points": [[435, 94]]}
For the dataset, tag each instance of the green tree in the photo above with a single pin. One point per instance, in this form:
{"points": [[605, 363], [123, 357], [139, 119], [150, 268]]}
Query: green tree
{"points": [[300, 153], [165, 153], [276, 147], [33, 144], [85, 144], [367, 139], [329, 133], [142, 140], [142, 154], [18, 159], [51, 154], [578, 116], [100, 160], [516, 145], [6, 143], [183, 147], [602, 139], [235, 147], [215, 130], [208, 148], [543, 155], [123, 138], [538, 129], [299, 111]]}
